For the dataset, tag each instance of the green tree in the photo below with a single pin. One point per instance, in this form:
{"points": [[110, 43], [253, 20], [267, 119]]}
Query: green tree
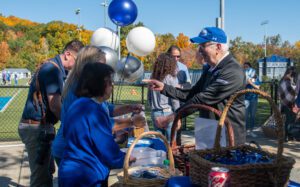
{"points": [[274, 40]]}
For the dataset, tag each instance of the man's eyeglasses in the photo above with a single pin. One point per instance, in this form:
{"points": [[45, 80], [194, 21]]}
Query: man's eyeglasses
{"points": [[74, 56], [109, 81], [203, 46]]}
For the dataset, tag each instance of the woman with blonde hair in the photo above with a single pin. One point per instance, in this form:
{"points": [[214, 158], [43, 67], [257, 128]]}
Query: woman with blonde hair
{"points": [[90, 54]]}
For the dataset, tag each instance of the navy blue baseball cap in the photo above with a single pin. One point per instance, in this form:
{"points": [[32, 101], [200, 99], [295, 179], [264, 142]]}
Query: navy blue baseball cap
{"points": [[210, 34]]}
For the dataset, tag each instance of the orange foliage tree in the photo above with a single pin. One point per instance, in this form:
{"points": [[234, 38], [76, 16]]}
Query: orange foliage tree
{"points": [[182, 41], [4, 54], [12, 21]]}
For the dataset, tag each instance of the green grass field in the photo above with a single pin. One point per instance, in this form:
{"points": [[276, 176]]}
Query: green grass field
{"points": [[9, 119]]}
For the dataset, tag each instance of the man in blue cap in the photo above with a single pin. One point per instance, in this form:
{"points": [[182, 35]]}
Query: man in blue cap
{"points": [[221, 78]]}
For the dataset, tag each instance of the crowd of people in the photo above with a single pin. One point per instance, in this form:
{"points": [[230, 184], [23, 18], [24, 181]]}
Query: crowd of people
{"points": [[74, 88], [7, 77]]}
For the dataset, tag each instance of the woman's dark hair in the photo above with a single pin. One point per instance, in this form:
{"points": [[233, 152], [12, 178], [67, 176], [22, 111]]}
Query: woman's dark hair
{"points": [[173, 47], [248, 63], [163, 66], [93, 80], [290, 71]]}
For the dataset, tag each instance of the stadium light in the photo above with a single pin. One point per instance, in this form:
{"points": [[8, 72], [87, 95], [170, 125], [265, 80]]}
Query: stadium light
{"points": [[264, 23]]}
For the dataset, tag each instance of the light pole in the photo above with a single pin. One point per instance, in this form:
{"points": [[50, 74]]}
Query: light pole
{"points": [[220, 21], [264, 23], [105, 5], [77, 12], [222, 13]]}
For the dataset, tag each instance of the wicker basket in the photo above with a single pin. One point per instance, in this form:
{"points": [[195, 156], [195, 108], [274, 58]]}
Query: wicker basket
{"points": [[180, 153], [275, 173], [125, 177]]}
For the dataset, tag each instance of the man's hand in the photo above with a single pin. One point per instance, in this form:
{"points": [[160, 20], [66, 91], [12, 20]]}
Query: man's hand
{"points": [[137, 108], [296, 110], [163, 121], [154, 84], [138, 120], [178, 125]]}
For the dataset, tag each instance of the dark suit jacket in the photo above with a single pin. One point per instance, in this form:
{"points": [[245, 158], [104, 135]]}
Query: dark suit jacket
{"points": [[214, 88]]}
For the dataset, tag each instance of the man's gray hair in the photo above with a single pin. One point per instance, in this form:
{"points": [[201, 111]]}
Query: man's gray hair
{"points": [[224, 47]]}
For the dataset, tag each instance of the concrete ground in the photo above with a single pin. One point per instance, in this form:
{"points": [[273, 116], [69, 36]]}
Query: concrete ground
{"points": [[14, 168]]}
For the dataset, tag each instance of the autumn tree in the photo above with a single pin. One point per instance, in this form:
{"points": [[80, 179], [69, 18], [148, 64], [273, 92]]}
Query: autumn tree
{"points": [[24, 44], [4, 54], [297, 44], [182, 41]]}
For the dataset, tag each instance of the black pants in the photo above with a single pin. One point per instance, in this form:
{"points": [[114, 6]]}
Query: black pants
{"points": [[290, 118]]}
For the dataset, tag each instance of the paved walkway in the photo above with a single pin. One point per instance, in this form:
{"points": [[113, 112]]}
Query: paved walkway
{"points": [[14, 168]]}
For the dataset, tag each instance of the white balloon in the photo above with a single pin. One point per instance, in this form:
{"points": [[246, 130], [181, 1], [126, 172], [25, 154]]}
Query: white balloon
{"points": [[140, 41], [105, 37]]}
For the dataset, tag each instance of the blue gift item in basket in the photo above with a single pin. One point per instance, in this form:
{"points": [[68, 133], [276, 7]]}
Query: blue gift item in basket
{"points": [[272, 173], [293, 184], [145, 142], [239, 157], [154, 143]]}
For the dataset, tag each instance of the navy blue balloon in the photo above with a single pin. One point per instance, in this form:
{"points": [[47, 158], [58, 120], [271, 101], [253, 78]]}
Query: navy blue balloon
{"points": [[122, 12]]}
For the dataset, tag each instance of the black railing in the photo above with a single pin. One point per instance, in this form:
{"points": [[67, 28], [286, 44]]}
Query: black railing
{"points": [[12, 101]]}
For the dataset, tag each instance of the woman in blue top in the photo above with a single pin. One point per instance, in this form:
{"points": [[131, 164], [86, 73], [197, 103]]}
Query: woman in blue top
{"points": [[90, 151], [251, 99], [85, 55]]}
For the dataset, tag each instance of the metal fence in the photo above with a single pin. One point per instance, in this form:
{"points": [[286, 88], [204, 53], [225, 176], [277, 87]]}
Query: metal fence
{"points": [[12, 101], [13, 98]]}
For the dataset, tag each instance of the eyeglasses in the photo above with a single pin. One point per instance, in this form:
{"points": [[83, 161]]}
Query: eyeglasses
{"points": [[109, 80], [72, 55], [204, 45]]}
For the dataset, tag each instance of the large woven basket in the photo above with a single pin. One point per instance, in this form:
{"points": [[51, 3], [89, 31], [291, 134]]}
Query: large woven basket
{"points": [[180, 153], [275, 173], [125, 177]]}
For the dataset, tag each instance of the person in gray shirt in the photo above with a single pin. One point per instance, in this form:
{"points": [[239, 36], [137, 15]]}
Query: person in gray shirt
{"points": [[165, 71]]}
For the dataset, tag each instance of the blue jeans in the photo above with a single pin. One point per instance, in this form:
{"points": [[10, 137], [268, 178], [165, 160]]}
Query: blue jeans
{"points": [[251, 106], [167, 131]]}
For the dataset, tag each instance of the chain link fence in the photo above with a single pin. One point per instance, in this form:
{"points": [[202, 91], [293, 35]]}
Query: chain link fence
{"points": [[13, 98], [12, 101]]}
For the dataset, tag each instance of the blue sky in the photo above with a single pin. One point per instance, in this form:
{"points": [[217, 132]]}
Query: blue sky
{"points": [[242, 17]]}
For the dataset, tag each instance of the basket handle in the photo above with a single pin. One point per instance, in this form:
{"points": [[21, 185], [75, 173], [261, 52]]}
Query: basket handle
{"points": [[170, 154], [178, 117], [277, 117]]}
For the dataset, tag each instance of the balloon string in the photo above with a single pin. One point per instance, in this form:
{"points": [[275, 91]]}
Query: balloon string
{"points": [[121, 79]]}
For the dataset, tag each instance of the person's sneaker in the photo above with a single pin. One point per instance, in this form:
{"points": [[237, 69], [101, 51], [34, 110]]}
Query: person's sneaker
{"points": [[253, 135]]}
